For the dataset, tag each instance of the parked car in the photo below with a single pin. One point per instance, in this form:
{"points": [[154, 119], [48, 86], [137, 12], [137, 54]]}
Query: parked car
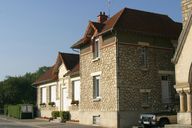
{"points": [[148, 120]]}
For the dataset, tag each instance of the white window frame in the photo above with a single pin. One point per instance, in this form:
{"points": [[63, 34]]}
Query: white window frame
{"points": [[96, 87], [44, 95], [96, 49]]}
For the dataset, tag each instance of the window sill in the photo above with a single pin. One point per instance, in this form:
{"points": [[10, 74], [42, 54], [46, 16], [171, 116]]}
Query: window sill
{"points": [[145, 105], [96, 59], [97, 99]]}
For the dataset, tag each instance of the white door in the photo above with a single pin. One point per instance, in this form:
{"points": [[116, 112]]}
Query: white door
{"points": [[165, 89], [65, 100]]}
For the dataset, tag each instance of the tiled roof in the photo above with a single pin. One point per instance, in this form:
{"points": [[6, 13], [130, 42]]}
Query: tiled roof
{"points": [[141, 22], [48, 76], [74, 71], [70, 61]]}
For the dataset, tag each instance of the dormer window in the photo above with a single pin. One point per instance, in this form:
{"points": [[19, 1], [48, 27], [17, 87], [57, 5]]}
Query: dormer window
{"points": [[96, 49]]}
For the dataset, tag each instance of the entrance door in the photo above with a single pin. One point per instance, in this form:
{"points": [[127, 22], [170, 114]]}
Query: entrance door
{"points": [[65, 100]]}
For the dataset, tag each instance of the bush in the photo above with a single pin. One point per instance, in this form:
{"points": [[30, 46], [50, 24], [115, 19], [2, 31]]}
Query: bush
{"points": [[65, 115], [20, 111], [55, 114], [5, 109], [14, 111]]}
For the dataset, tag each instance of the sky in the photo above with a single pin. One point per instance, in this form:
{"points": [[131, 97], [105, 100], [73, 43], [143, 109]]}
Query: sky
{"points": [[32, 32]]}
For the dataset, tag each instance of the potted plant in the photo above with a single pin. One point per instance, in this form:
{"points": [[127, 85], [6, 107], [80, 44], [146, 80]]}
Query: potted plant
{"points": [[75, 102], [52, 104], [43, 104]]}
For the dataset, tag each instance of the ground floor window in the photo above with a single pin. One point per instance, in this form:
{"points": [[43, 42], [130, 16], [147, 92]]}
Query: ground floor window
{"points": [[43, 95], [53, 93], [76, 90], [96, 86], [145, 96], [166, 89]]}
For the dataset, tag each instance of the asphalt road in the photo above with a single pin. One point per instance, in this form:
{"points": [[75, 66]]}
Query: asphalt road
{"points": [[33, 123]]}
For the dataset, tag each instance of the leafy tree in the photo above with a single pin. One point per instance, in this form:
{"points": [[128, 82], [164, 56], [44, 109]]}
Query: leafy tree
{"points": [[19, 89]]}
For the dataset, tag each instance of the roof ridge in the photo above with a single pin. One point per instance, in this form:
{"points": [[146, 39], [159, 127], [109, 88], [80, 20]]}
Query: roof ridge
{"points": [[67, 53], [145, 11]]}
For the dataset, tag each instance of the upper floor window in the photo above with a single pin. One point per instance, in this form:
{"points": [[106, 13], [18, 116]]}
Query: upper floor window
{"points": [[96, 87], [96, 49], [144, 57]]}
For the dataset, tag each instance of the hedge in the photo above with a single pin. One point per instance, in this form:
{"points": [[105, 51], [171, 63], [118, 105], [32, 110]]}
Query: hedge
{"points": [[14, 111]]}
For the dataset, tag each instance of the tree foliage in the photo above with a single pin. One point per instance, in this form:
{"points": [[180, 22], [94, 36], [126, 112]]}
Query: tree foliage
{"points": [[19, 89]]}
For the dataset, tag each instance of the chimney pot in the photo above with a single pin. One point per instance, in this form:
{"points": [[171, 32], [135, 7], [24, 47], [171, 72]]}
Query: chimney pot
{"points": [[102, 17]]}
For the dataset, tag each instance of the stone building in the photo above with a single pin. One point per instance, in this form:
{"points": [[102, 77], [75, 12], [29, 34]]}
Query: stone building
{"points": [[183, 65], [125, 67], [53, 86]]}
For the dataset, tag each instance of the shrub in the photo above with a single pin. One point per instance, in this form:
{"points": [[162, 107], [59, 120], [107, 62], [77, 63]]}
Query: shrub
{"points": [[5, 109], [55, 114], [14, 111], [65, 115]]}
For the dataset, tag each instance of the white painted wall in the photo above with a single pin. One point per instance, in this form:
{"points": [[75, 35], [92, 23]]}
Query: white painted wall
{"points": [[184, 62]]}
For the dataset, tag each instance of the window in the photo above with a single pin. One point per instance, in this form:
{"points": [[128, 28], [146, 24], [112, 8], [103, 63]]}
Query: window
{"points": [[166, 89], [144, 57], [53, 93], [96, 87], [43, 95], [96, 120], [96, 49], [76, 90], [145, 94]]}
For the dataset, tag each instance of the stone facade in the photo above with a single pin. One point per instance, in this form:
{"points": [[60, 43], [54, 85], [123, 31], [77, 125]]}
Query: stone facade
{"points": [[123, 79], [133, 78], [106, 108], [186, 9]]}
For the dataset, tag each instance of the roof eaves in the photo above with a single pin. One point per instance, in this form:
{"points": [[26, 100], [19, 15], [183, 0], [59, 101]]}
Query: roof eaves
{"points": [[182, 40]]}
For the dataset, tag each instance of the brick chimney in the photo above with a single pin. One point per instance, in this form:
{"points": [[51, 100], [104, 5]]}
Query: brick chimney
{"points": [[102, 17], [186, 8]]}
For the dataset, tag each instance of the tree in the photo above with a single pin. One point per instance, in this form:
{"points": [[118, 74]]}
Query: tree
{"points": [[19, 90]]}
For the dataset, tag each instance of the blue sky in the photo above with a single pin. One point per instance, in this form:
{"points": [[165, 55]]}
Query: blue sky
{"points": [[33, 31]]}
